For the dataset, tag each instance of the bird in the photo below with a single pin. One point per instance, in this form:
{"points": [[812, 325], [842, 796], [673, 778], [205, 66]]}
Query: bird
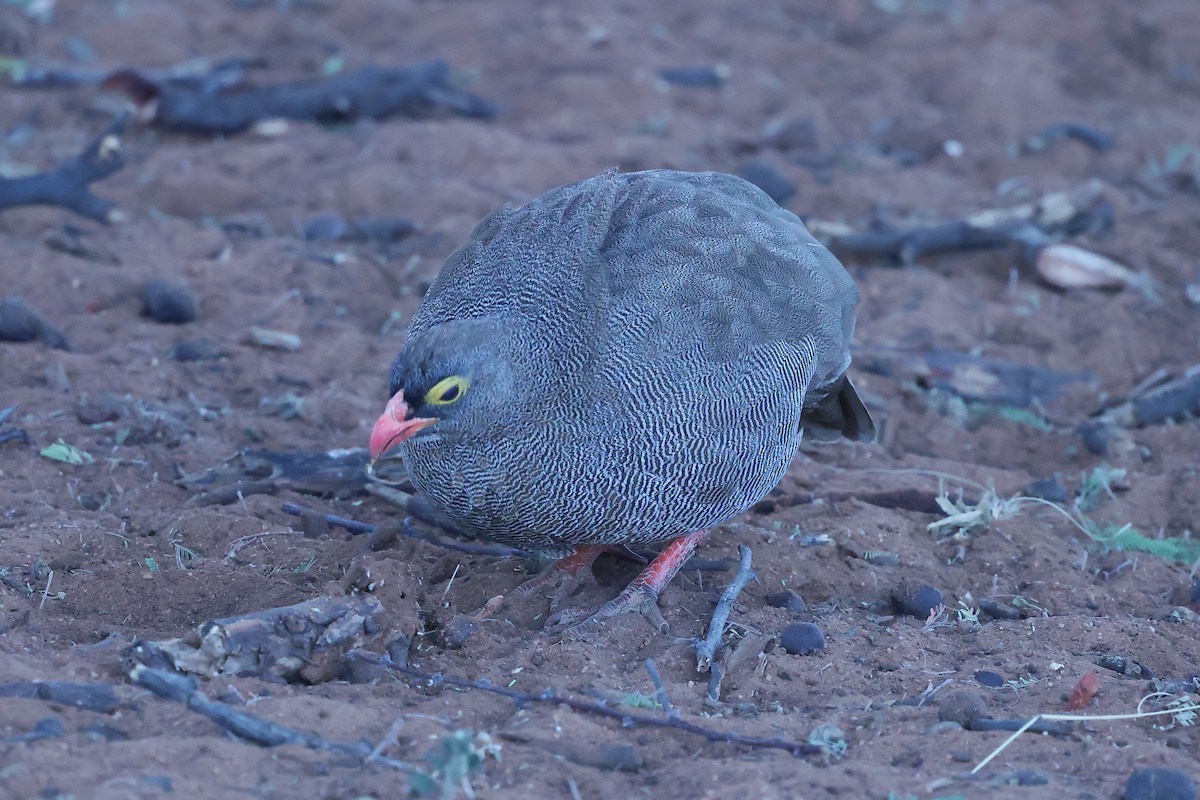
{"points": [[631, 359]]}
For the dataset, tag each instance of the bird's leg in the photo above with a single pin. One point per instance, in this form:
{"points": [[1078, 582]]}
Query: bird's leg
{"points": [[641, 595]]}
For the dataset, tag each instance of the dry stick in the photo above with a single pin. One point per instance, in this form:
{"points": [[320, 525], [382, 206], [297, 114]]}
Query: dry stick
{"points": [[660, 691], [182, 689], [706, 649], [626, 719], [419, 91], [67, 186], [1076, 718]]}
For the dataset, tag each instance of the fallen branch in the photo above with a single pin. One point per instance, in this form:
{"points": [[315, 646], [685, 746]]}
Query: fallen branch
{"points": [[1031, 226], [183, 689], [98, 697], [706, 648], [627, 719], [302, 642], [67, 186], [419, 91]]}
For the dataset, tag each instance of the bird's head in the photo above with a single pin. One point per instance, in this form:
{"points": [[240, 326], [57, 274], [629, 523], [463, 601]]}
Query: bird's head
{"points": [[454, 381]]}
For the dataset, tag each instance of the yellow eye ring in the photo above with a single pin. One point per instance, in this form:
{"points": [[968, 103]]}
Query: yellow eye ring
{"points": [[447, 391]]}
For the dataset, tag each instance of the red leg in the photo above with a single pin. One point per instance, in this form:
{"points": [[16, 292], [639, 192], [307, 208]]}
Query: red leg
{"points": [[641, 595]]}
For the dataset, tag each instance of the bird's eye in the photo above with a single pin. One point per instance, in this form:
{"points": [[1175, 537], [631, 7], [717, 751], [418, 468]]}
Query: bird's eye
{"points": [[447, 391]]}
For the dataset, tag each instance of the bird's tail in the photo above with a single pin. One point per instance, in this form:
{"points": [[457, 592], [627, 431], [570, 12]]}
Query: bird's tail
{"points": [[840, 413]]}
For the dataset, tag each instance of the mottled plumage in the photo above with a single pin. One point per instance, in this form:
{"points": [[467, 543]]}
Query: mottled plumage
{"points": [[642, 351]]}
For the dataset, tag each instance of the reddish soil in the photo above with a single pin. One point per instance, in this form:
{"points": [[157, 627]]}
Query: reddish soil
{"points": [[878, 88]]}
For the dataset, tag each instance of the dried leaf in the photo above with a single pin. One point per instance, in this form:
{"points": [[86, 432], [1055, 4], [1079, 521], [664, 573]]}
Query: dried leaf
{"points": [[1069, 267], [61, 451], [1084, 691]]}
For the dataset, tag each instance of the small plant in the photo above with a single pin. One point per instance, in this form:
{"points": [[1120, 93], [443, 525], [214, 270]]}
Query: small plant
{"points": [[1095, 485], [968, 615], [830, 739], [184, 556], [455, 758], [639, 700]]}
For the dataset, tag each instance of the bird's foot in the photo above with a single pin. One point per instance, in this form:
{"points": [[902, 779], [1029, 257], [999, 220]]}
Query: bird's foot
{"points": [[574, 623], [566, 575], [641, 595]]}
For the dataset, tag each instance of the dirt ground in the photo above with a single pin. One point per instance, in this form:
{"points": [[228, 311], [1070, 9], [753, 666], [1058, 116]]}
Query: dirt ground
{"points": [[909, 111]]}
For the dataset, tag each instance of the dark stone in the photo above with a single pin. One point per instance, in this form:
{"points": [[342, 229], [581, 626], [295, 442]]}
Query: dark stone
{"points": [[1160, 783], [992, 680], [196, 350], [962, 707], [1048, 489], [694, 77], [382, 229], [786, 599], [325, 227], [777, 187], [916, 599], [103, 407], [168, 302], [19, 322], [990, 608], [1027, 777], [458, 632], [802, 639], [792, 134], [1096, 437]]}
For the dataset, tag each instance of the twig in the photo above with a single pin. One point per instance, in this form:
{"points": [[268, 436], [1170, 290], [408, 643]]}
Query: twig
{"points": [[715, 676], [706, 648], [182, 689], [660, 691], [626, 718], [352, 525], [420, 90], [46, 591], [67, 186]]}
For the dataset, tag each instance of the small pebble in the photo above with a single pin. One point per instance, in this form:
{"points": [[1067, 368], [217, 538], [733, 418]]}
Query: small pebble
{"points": [[696, 77], [990, 608], [100, 408], [916, 599], [962, 707], [777, 187], [802, 639], [382, 229], [1096, 437], [275, 340], [792, 134], [458, 632], [1159, 783], [1048, 489], [992, 680], [786, 599], [1027, 777], [167, 302], [20, 323], [325, 227], [196, 350], [961, 756]]}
